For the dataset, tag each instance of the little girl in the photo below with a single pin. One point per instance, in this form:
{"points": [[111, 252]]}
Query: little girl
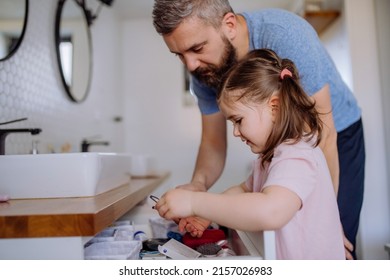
{"points": [[290, 189]]}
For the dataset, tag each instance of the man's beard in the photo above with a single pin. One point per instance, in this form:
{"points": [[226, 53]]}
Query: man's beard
{"points": [[213, 76]]}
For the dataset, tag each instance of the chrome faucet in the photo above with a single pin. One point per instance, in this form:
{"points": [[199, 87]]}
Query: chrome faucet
{"points": [[85, 144], [4, 133]]}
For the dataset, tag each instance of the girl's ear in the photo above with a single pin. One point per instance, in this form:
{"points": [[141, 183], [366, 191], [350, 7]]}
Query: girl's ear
{"points": [[273, 104]]}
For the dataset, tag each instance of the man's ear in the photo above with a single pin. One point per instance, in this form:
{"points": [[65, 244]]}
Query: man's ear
{"points": [[229, 25]]}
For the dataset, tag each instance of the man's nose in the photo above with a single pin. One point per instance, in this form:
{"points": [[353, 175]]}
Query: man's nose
{"points": [[192, 63]]}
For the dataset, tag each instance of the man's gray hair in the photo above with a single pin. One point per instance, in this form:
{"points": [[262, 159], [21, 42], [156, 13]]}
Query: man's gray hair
{"points": [[168, 14]]}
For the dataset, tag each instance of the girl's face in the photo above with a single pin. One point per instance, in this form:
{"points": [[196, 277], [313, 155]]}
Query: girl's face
{"points": [[252, 122]]}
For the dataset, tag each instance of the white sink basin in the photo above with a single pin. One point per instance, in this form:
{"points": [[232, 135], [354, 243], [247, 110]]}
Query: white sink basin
{"points": [[62, 175]]}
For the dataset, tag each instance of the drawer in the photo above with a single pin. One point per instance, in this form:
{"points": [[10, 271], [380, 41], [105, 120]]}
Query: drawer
{"points": [[250, 245]]}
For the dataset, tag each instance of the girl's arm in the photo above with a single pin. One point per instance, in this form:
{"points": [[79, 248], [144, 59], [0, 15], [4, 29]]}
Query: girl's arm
{"points": [[196, 225], [267, 210]]}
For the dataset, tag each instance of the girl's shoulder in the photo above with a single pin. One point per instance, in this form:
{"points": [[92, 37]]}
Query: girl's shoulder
{"points": [[303, 149], [300, 145]]}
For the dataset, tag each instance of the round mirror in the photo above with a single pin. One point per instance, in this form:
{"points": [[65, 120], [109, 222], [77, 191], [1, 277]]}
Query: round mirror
{"points": [[13, 21], [74, 51]]}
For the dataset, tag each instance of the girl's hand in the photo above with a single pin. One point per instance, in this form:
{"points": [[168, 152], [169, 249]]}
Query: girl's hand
{"points": [[174, 204], [194, 225]]}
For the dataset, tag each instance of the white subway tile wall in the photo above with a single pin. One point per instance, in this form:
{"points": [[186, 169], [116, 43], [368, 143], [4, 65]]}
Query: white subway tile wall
{"points": [[30, 86]]}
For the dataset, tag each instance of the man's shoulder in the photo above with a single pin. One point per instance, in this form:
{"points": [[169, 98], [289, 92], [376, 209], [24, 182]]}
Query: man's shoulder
{"points": [[270, 14]]}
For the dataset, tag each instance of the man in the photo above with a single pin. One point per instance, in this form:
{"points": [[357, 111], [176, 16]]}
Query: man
{"points": [[209, 38]]}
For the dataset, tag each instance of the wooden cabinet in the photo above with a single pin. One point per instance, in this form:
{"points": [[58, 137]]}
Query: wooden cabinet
{"points": [[320, 20], [58, 228]]}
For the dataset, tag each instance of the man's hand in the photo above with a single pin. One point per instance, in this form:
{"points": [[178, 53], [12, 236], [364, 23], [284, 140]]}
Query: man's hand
{"points": [[348, 248], [193, 186]]}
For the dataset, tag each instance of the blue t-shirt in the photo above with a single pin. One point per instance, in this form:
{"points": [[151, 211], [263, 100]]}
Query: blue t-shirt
{"points": [[290, 36]]}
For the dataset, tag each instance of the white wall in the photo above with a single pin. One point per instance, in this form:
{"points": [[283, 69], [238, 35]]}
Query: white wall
{"points": [[382, 9], [106, 94], [30, 86], [340, 39], [375, 218]]}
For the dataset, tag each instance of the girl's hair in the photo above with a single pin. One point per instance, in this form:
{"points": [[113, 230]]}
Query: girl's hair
{"points": [[259, 76], [168, 14]]}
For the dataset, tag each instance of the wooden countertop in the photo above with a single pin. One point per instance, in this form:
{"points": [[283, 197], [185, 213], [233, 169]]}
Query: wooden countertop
{"points": [[84, 216]]}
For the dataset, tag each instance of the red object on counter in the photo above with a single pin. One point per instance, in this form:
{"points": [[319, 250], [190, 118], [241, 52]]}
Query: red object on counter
{"points": [[209, 236]]}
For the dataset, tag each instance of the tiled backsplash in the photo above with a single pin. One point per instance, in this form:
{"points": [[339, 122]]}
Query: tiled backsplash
{"points": [[30, 86]]}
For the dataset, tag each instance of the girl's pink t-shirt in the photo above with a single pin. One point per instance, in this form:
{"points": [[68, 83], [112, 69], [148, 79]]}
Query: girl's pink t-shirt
{"points": [[315, 231]]}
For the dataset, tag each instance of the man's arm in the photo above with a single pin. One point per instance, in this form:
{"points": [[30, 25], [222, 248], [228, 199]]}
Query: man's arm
{"points": [[329, 147], [212, 153], [329, 134]]}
